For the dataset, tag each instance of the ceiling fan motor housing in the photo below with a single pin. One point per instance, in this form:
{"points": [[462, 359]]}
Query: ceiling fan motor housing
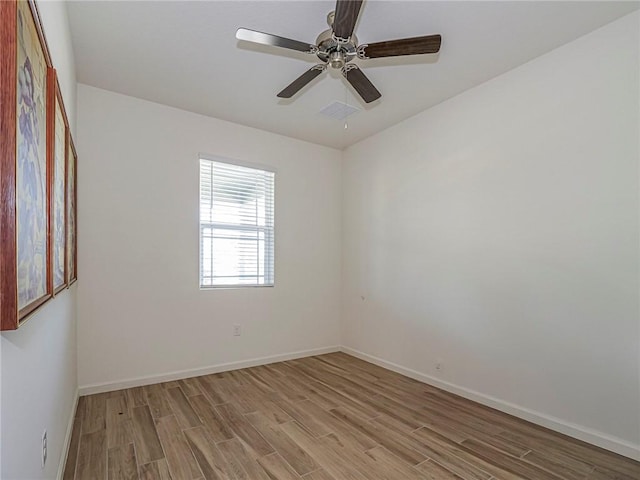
{"points": [[337, 54]]}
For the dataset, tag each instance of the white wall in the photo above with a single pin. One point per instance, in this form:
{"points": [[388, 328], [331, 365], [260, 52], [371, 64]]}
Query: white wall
{"points": [[39, 378], [498, 231], [142, 313]]}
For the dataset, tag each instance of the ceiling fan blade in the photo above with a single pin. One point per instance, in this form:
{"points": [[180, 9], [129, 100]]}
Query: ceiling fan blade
{"points": [[274, 40], [361, 83], [345, 18], [404, 46], [297, 85]]}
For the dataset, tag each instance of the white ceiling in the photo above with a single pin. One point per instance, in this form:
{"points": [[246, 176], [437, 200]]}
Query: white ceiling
{"points": [[184, 54]]}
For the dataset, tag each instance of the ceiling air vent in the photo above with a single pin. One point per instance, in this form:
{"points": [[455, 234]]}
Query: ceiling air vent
{"points": [[338, 110]]}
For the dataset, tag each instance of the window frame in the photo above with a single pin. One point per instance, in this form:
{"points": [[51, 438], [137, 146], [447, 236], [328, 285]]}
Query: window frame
{"points": [[267, 232]]}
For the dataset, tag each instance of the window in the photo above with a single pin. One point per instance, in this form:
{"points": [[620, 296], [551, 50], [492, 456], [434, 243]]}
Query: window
{"points": [[236, 225]]}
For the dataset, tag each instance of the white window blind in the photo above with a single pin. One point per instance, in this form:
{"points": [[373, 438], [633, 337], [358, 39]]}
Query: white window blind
{"points": [[236, 225]]}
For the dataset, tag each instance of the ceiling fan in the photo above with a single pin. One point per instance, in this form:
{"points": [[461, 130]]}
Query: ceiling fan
{"points": [[337, 46]]}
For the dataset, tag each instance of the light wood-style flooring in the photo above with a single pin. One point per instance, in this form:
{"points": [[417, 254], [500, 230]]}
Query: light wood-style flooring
{"points": [[330, 417]]}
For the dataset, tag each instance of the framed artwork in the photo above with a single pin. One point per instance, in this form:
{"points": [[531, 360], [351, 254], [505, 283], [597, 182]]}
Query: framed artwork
{"points": [[26, 280], [58, 218], [72, 229]]}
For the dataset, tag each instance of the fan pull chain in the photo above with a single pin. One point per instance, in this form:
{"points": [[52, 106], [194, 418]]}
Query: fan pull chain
{"points": [[346, 125]]}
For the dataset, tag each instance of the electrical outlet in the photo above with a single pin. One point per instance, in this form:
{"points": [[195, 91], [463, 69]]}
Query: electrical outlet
{"points": [[236, 331], [44, 448]]}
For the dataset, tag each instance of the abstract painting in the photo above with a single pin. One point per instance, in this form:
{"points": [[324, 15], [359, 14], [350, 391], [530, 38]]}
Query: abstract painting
{"points": [[59, 196], [26, 164], [71, 211], [31, 168]]}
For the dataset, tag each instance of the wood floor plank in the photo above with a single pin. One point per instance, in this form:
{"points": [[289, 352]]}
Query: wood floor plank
{"points": [[190, 386], [301, 415], [409, 418], [157, 401], [359, 460], [434, 471], [158, 470], [506, 462], [565, 466], [485, 457], [333, 392], [117, 406], [180, 459], [215, 396], [259, 383], [118, 422], [269, 407], [434, 408], [246, 399], [450, 459], [392, 466], [241, 461], [338, 465], [135, 397], [402, 446], [227, 391], [286, 389], [280, 369], [182, 409], [119, 433], [351, 436], [337, 368], [211, 419], [337, 388], [318, 475], [235, 465], [92, 456], [312, 392], [276, 468], [121, 461], [145, 436], [211, 461], [607, 474], [300, 460], [244, 430], [72, 455], [444, 428], [94, 413], [317, 364], [239, 378], [81, 408], [544, 441]]}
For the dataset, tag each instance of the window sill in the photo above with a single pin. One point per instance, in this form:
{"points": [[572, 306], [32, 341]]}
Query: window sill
{"points": [[234, 287]]}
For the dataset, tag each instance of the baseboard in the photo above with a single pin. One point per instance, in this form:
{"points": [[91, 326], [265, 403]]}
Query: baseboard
{"points": [[222, 367], [67, 439], [579, 432]]}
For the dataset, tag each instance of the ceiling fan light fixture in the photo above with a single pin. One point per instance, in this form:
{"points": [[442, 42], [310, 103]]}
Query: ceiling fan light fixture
{"points": [[337, 59], [338, 45]]}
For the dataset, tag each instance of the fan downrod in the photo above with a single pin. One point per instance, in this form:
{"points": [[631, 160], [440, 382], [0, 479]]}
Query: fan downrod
{"points": [[335, 54]]}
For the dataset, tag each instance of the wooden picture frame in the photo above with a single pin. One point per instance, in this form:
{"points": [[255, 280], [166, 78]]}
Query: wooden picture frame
{"points": [[59, 197], [25, 166], [72, 211]]}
